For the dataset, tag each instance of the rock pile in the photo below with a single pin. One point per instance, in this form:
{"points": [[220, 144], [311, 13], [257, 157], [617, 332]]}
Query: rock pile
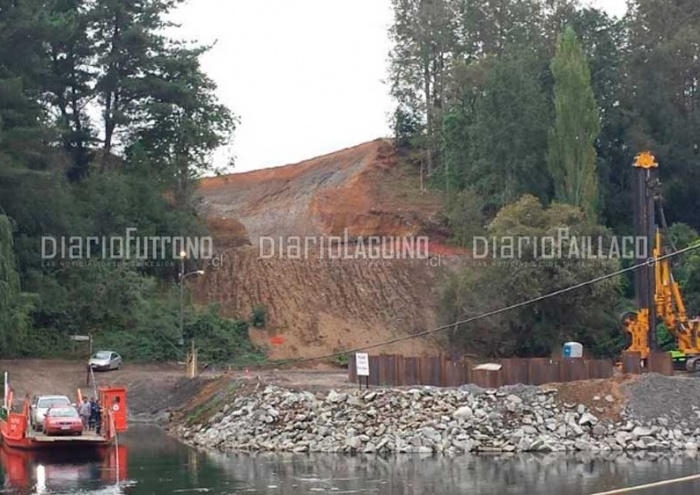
{"points": [[427, 420]]}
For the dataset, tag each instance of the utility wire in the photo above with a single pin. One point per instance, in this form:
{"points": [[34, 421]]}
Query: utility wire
{"points": [[649, 262]]}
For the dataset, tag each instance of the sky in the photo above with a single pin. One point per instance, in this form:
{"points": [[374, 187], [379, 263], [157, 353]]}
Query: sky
{"points": [[305, 77]]}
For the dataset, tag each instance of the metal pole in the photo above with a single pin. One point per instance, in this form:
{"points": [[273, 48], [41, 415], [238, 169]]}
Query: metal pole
{"points": [[192, 360], [116, 444], [652, 193], [182, 297], [94, 383], [193, 366]]}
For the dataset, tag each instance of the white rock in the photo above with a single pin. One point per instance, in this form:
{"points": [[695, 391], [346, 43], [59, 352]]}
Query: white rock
{"points": [[587, 419], [464, 412], [642, 431]]}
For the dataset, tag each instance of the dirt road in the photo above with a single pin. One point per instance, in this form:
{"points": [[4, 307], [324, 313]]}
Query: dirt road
{"points": [[151, 388]]}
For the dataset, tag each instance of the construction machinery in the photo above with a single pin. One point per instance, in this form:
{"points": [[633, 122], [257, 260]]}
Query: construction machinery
{"points": [[657, 294]]}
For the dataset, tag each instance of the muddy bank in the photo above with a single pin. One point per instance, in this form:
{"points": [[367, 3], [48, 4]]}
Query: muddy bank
{"points": [[259, 417], [155, 401]]}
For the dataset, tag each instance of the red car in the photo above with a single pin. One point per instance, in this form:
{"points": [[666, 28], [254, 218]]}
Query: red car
{"points": [[63, 421]]}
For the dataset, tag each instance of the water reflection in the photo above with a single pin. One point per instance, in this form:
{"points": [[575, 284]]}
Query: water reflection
{"points": [[158, 465], [63, 471], [487, 475]]}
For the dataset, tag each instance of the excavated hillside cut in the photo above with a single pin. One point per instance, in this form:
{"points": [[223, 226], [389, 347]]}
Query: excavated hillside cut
{"points": [[317, 305]]}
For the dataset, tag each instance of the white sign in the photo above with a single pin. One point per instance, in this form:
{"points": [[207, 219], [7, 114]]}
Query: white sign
{"points": [[488, 367], [362, 363], [80, 338]]}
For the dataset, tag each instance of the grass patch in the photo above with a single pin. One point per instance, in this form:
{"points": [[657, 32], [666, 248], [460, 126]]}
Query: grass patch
{"points": [[203, 412], [405, 185]]}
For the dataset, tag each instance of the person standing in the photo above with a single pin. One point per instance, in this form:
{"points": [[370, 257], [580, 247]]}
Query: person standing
{"points": [[93, 413], [98, 417], [85, 412]]}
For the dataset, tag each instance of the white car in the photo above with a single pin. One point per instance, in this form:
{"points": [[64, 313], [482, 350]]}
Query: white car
{"points": [[105, 361], [40, 404]]}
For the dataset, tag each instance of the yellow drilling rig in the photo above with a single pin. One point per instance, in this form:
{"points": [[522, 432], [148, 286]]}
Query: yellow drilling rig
{"points": [[658, 296]]}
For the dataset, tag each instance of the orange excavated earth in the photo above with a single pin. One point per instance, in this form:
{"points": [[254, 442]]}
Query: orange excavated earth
{"points": [[318, 305]]}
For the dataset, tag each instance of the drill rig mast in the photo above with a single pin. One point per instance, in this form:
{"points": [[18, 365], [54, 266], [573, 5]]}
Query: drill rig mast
{"points": [[657, 294]]}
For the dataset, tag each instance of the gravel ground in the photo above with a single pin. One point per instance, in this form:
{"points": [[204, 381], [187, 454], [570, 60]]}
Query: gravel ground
{"points": [[653, 396]]}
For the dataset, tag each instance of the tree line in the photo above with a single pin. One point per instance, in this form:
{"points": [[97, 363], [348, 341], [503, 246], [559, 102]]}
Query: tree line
{"points": [[518, 111], [106, 122]]}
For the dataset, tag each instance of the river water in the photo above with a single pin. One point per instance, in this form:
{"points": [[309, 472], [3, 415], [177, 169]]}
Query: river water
{"points": [[148, 462]]}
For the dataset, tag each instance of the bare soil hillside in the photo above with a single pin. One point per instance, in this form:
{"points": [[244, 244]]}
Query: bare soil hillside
{"points": [[360, 189], [318, 305], [316, 308]]}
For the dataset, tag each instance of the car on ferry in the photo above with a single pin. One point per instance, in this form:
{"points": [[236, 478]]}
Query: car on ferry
{"points": [[62, 421], [42, 403]]}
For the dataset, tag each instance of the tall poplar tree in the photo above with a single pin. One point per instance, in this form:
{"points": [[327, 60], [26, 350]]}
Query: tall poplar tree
{"points": [[572, 155]]}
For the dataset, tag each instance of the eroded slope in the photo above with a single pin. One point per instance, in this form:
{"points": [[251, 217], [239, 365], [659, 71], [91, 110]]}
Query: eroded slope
{"points": [[317, 305]]}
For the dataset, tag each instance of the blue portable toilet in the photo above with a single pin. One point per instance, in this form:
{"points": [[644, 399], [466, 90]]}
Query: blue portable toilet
{"points": [[573, 350]]}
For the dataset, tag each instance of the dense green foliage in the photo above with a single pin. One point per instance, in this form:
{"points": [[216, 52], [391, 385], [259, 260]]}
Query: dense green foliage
{"points": [[529, 272], [14, 312], [105, 124], [498, 100]]}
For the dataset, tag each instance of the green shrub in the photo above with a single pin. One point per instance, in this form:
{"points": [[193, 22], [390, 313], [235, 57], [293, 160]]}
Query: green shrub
{"points": [[340, 360], [259, 317]]}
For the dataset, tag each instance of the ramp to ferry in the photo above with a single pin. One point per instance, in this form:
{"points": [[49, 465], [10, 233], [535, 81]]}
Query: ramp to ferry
{"points": [[86, 437]]}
